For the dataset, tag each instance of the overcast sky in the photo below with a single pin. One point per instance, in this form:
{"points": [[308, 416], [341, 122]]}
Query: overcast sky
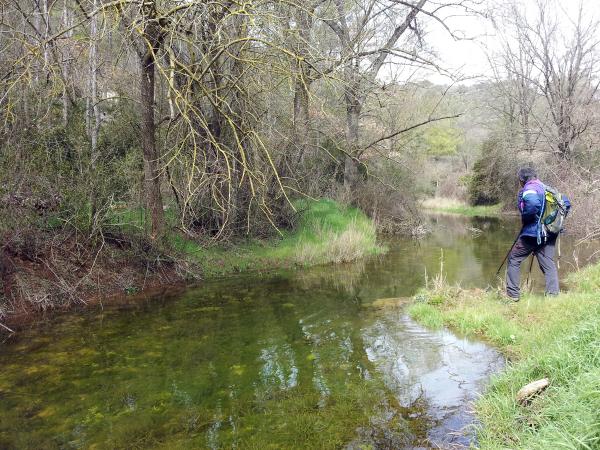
{"points": [[469, 57]]}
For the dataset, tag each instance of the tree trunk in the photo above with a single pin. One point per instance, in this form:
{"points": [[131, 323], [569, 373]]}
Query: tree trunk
{"points": [[46, 15], [65, 68], [565, 140], [154, 203], [302, 82], [93, 114], [526, 132], [356, 90], [171, 86], [301, 117], [353, 108]]}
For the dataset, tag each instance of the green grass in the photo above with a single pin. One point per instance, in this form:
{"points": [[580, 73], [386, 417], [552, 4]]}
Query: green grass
{"points": [[326, 232], [452, 206], [557, 338]]}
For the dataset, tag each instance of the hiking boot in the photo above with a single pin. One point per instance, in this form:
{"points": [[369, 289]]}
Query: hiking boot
{"points": [[505, 296]]}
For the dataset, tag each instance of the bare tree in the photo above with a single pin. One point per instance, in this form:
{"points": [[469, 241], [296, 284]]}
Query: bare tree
{"points": [[300, 25], [372, 34], [148, 29], [513, 72], [561, 64], [93, 110]]}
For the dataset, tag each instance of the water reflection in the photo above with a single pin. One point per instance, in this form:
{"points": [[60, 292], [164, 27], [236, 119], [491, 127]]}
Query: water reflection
{"points": [[471, 249], [291, 360], [347, 276], [439, 370]]}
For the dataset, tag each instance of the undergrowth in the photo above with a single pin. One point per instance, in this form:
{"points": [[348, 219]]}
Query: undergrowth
{"points": [[325, 232], [60, 266], [557, 338], [452, 206]]}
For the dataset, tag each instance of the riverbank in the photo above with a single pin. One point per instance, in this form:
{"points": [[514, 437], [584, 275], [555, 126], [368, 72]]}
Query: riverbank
{"points": [[441, 205], [326, 232], [46, 270], [294, 359], [555, 338]]}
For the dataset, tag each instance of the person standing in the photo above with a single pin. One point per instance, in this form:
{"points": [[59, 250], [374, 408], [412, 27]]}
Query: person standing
{"points": [[531, 201]]}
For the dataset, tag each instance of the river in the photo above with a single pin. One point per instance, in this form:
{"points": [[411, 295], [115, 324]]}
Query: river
{"points": [[309, 358]]}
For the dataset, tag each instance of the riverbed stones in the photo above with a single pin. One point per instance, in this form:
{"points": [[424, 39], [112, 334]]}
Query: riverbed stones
{"points": [[527, 392]]}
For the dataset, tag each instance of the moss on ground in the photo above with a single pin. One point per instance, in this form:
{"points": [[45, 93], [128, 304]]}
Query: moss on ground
{"points": [[553, 337]]}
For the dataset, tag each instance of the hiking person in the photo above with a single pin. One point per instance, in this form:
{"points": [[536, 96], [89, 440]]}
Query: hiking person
{"points": [[535, 237]]}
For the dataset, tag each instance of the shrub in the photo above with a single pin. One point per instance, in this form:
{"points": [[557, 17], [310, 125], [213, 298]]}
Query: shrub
{"points": [[493, 178]]}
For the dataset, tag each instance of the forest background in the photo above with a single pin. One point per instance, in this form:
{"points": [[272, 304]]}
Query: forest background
{"points": [[146, 141]]}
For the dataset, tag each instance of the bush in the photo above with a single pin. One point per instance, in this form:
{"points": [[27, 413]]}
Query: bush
{"points": [[388, 197], [494, 174]]}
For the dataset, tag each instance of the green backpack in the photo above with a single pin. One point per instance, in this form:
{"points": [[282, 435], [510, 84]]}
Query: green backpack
{"points": [[556, 208]]}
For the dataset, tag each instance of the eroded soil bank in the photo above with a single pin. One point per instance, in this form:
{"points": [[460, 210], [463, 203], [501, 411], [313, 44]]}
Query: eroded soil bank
{"points": [[50, 269]]}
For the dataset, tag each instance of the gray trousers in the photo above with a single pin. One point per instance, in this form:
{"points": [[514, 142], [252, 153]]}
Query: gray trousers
{"points": [[524, 247]]}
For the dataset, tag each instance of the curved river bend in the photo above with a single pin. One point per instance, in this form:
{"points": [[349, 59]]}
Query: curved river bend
{"points": [[299, 359]]}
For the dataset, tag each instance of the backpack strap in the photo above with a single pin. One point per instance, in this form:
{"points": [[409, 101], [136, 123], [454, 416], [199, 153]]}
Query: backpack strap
{"points": [[541, 239]]}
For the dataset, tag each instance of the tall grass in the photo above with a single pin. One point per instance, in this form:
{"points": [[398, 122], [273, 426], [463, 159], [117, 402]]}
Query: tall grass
{"points": [[557, 338], [329, 232], [454, 206], [326, 232]]}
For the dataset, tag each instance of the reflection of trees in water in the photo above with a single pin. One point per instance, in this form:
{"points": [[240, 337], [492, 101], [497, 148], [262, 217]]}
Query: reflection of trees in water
{"points": [[278, 369], [399, 361], [308, 353], [432, 374], [472, 250], [402, 354], [326, 365], [473, 247], [577, 254], [460, 226], [345, 277], [250, 352]]}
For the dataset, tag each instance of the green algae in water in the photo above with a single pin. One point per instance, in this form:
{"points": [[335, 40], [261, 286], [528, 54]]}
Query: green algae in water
{"points": [[294, 360], [274, 374]]}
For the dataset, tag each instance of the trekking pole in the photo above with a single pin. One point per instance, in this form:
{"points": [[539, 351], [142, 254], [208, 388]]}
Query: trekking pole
{"points": [[558, 248], [5, 327], [509, 250], [527, 284]]}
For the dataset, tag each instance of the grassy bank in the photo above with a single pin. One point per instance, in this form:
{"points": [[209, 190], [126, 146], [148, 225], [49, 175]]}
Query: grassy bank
{"points": [[453, 206], [326, 232], [52, 268], [557, 338]]}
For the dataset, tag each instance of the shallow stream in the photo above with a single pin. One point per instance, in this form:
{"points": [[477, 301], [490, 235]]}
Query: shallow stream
{"points": [[294, 359]]}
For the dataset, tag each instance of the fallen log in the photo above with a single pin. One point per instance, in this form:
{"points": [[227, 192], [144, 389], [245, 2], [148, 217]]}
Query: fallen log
{"points": [[527, 392]]}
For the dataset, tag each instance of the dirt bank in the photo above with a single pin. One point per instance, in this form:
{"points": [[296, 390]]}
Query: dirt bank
{"points": [[43, 272]]}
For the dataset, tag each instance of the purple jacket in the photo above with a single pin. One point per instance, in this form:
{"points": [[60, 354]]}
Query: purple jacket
{"points": [[531, 202]]}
